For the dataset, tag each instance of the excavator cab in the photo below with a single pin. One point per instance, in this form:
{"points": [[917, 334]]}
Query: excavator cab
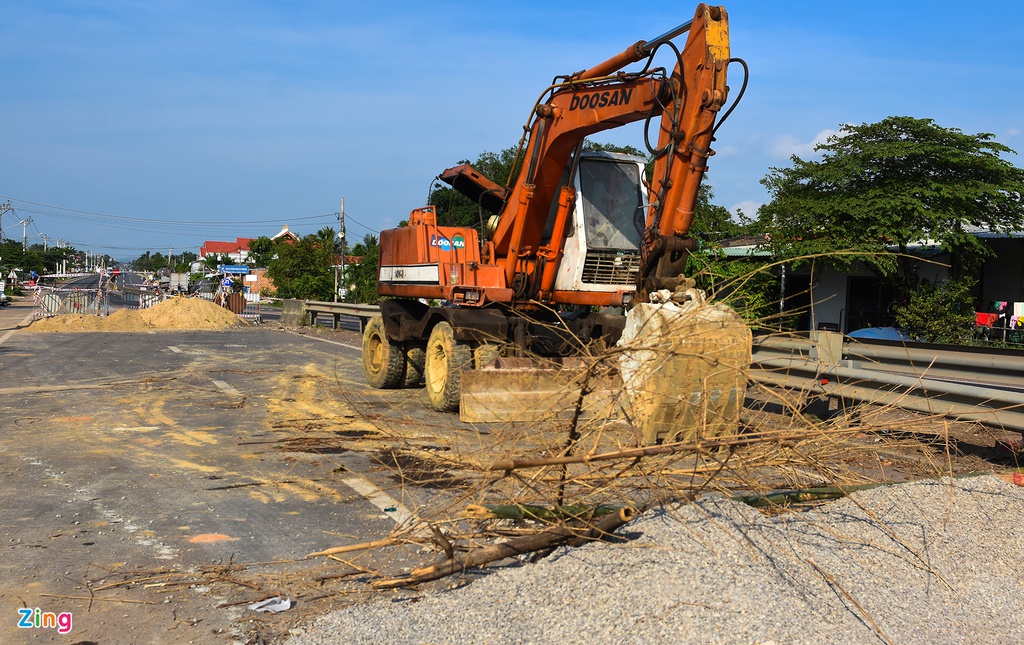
{"points": [[602, 249], [612, 201]]}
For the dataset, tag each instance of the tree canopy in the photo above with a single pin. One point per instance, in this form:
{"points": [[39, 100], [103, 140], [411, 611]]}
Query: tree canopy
{"points": [[36, 258], [454, 208], [304, 269], [261, 251], [881, 188]]}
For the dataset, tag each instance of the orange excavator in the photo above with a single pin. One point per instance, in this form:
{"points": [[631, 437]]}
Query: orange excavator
{"points": [[575, 239]]}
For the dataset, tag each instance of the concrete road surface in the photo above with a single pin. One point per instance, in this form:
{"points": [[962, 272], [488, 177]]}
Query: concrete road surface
{"points": [[156, 483]]}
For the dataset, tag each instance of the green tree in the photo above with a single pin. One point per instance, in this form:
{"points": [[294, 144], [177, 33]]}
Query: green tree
{"points": [[213, 260], [184, 261], [939, 313], [55, 257], [261, 251], [304, 269], [714, 223], [362, 278], [746, 284], [880, 188], [15, 257], [148, 262]]}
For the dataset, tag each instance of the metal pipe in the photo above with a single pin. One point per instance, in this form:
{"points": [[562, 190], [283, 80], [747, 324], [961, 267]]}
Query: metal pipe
{"points": [[635, 52], [650, 45]]}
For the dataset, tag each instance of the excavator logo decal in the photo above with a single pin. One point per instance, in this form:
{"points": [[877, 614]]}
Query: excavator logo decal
{"points": [[604, 99]]}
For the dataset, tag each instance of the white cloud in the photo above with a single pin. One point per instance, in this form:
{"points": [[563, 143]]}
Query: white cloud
{"points": [[749, 208], [1013, 133], [786, 146]]}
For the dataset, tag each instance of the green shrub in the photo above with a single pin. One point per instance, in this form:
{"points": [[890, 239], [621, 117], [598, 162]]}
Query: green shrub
{"points": [[939, 313]]}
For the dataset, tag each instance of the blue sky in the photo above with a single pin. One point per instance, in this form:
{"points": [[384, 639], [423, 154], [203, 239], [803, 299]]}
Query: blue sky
{"points": [[135, 126]]}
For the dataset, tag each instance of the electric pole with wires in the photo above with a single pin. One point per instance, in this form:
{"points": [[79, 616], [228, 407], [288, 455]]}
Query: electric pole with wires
{"points": [[4, 209], [341, 238]]}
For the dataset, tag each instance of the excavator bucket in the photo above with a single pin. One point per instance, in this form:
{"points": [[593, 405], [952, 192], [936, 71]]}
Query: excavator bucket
{"points": [[517, 390], [684, 369], [678, 374]]}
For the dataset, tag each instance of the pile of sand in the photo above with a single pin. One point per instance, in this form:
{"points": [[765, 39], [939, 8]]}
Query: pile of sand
{"points": [[173, 313]]}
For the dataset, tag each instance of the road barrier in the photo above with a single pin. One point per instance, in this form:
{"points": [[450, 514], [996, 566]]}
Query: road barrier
{"points": [[964, 383], [50, 301], [138, 298], [338, 309]]}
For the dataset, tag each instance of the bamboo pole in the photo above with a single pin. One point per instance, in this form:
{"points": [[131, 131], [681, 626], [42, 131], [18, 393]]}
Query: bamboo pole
{"points": [[535, 512], [362, 546], [818, 493]]}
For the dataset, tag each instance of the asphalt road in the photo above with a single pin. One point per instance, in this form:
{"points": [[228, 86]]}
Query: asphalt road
{"points": [[167, 455]]}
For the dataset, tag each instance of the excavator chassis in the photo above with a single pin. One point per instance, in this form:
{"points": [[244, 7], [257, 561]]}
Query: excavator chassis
{"points": [[471, 358], [501, 365]]}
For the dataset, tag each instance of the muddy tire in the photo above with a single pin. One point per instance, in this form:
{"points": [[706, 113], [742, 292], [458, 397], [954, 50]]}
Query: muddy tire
{"points": [[446, 359], [383, 360], [415, 359]]}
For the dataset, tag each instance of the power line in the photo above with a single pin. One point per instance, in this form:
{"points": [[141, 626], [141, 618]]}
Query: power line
{"points": [[84, 215], [175, 227]]}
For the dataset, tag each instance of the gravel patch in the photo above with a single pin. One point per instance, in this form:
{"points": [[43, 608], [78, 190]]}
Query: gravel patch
{"points": [[929, 562]]}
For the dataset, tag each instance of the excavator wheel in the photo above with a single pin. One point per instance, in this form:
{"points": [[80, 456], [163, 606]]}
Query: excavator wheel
{"points": [[383, 360], [415, 357], [446, 359]]}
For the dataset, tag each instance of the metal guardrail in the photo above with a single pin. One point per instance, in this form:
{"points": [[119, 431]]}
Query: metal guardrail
{"points": [[969, 384], [339, 309]]}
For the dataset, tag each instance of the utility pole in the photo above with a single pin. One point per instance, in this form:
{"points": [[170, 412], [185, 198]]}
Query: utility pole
{"points": [[43, 235], [24, 232], [4, 208], [170, 263], [341, 236]]}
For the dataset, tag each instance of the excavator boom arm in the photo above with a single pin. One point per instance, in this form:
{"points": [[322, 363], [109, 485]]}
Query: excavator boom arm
{"points": [[603, 97]]}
